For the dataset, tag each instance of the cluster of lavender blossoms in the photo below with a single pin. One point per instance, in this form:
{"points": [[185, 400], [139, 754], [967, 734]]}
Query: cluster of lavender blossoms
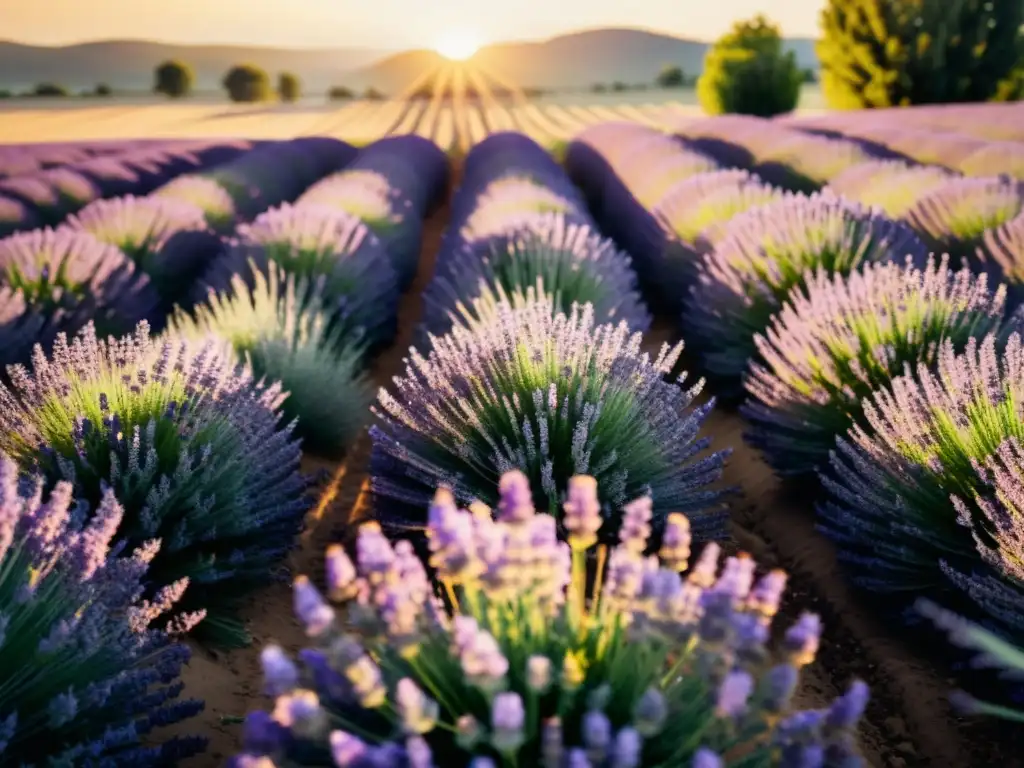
{"points": [[64, 279], [527, 655], [84, 679], [571, 260], [844, 337], [168, 239], [767, 252], [553, 395], [311, 242], [282, 330], [193, 449], [954, 218], [930, 491], [892, 185], [216, 204]]}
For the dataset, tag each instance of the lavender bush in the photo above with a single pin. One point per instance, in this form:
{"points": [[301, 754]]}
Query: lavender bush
{"points": [[217, 205], [764, 255], [388, 213], [192, 448], [844, 337], [551, 394], [15, 216], [521, 659], [954, 218], [167, 239], [67, 278], [285, 339], [1002, 253], [892, 185], [84, 679], [572, 261], [315, 242], [929, 494]]}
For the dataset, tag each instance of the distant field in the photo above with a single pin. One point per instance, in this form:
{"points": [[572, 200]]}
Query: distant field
{"points": [[452, 124]]}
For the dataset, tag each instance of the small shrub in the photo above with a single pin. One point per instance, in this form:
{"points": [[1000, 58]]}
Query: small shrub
{"points": [[174, 79], [191, 447], [212, 198], [282, 329], [372, 94], [289, 88], [747, 72], [103, 90], [340, 93], [246, 83], [50, 90], [891, 185], [671, 76], [553, 395], [925, 496], [84, 679], [844, 337], [530, 663]]}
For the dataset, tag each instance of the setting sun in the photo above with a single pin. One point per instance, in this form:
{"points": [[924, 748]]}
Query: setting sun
{"points": [[457, 46]]}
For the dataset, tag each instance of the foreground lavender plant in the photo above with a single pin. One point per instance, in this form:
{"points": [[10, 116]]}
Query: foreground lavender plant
{"points": [[954, 218], [523, 660], [845, 337], [315, 242], [192, 448], [573, 261], [1002, 251], [167, 239], [84, 679], [551, 394], [285, 339], [67, 278], [765, 254], [931, 494], [993, 652]]}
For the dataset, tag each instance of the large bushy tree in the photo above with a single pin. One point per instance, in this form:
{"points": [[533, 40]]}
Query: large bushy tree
{"points": [[671, 76], [747, 71], [887, 53], [174, 78]]}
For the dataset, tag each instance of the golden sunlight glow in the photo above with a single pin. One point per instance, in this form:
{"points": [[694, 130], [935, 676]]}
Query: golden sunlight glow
{"points": [[457, 45]]}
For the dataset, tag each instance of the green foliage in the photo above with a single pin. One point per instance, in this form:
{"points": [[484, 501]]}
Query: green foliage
{"points": [[671, 76], [289, 87], [887, 53], [247, 83], [174, 79], [372, 94], [340, 93], [5, 94], [50, 90], [748, 72], [103, 90]]}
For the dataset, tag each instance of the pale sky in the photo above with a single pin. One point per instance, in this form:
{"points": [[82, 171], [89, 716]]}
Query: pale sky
{"points": [[392, 24]]}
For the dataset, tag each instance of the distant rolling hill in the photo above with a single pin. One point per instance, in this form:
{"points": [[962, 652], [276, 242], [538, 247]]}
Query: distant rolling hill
{"points": [[575, 60], [129, 64]]}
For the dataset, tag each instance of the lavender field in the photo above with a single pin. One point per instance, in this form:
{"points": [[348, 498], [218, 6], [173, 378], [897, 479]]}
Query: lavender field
{"points": [[334, 455]]}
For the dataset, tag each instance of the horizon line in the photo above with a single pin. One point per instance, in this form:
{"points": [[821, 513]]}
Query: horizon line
{"points": [[375, 49]]}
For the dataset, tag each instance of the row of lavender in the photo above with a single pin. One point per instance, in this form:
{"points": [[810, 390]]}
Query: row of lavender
{"points": [[528, 391], [862, 356], [146, 484]]}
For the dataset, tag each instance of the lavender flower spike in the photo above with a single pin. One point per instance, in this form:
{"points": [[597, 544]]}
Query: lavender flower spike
{"points": [[445, 694]]}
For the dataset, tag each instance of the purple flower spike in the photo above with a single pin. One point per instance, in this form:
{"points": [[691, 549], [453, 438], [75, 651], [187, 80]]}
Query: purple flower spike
{"points": [[515, 502], [315, 614], [582, 511], [705, 758]]}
